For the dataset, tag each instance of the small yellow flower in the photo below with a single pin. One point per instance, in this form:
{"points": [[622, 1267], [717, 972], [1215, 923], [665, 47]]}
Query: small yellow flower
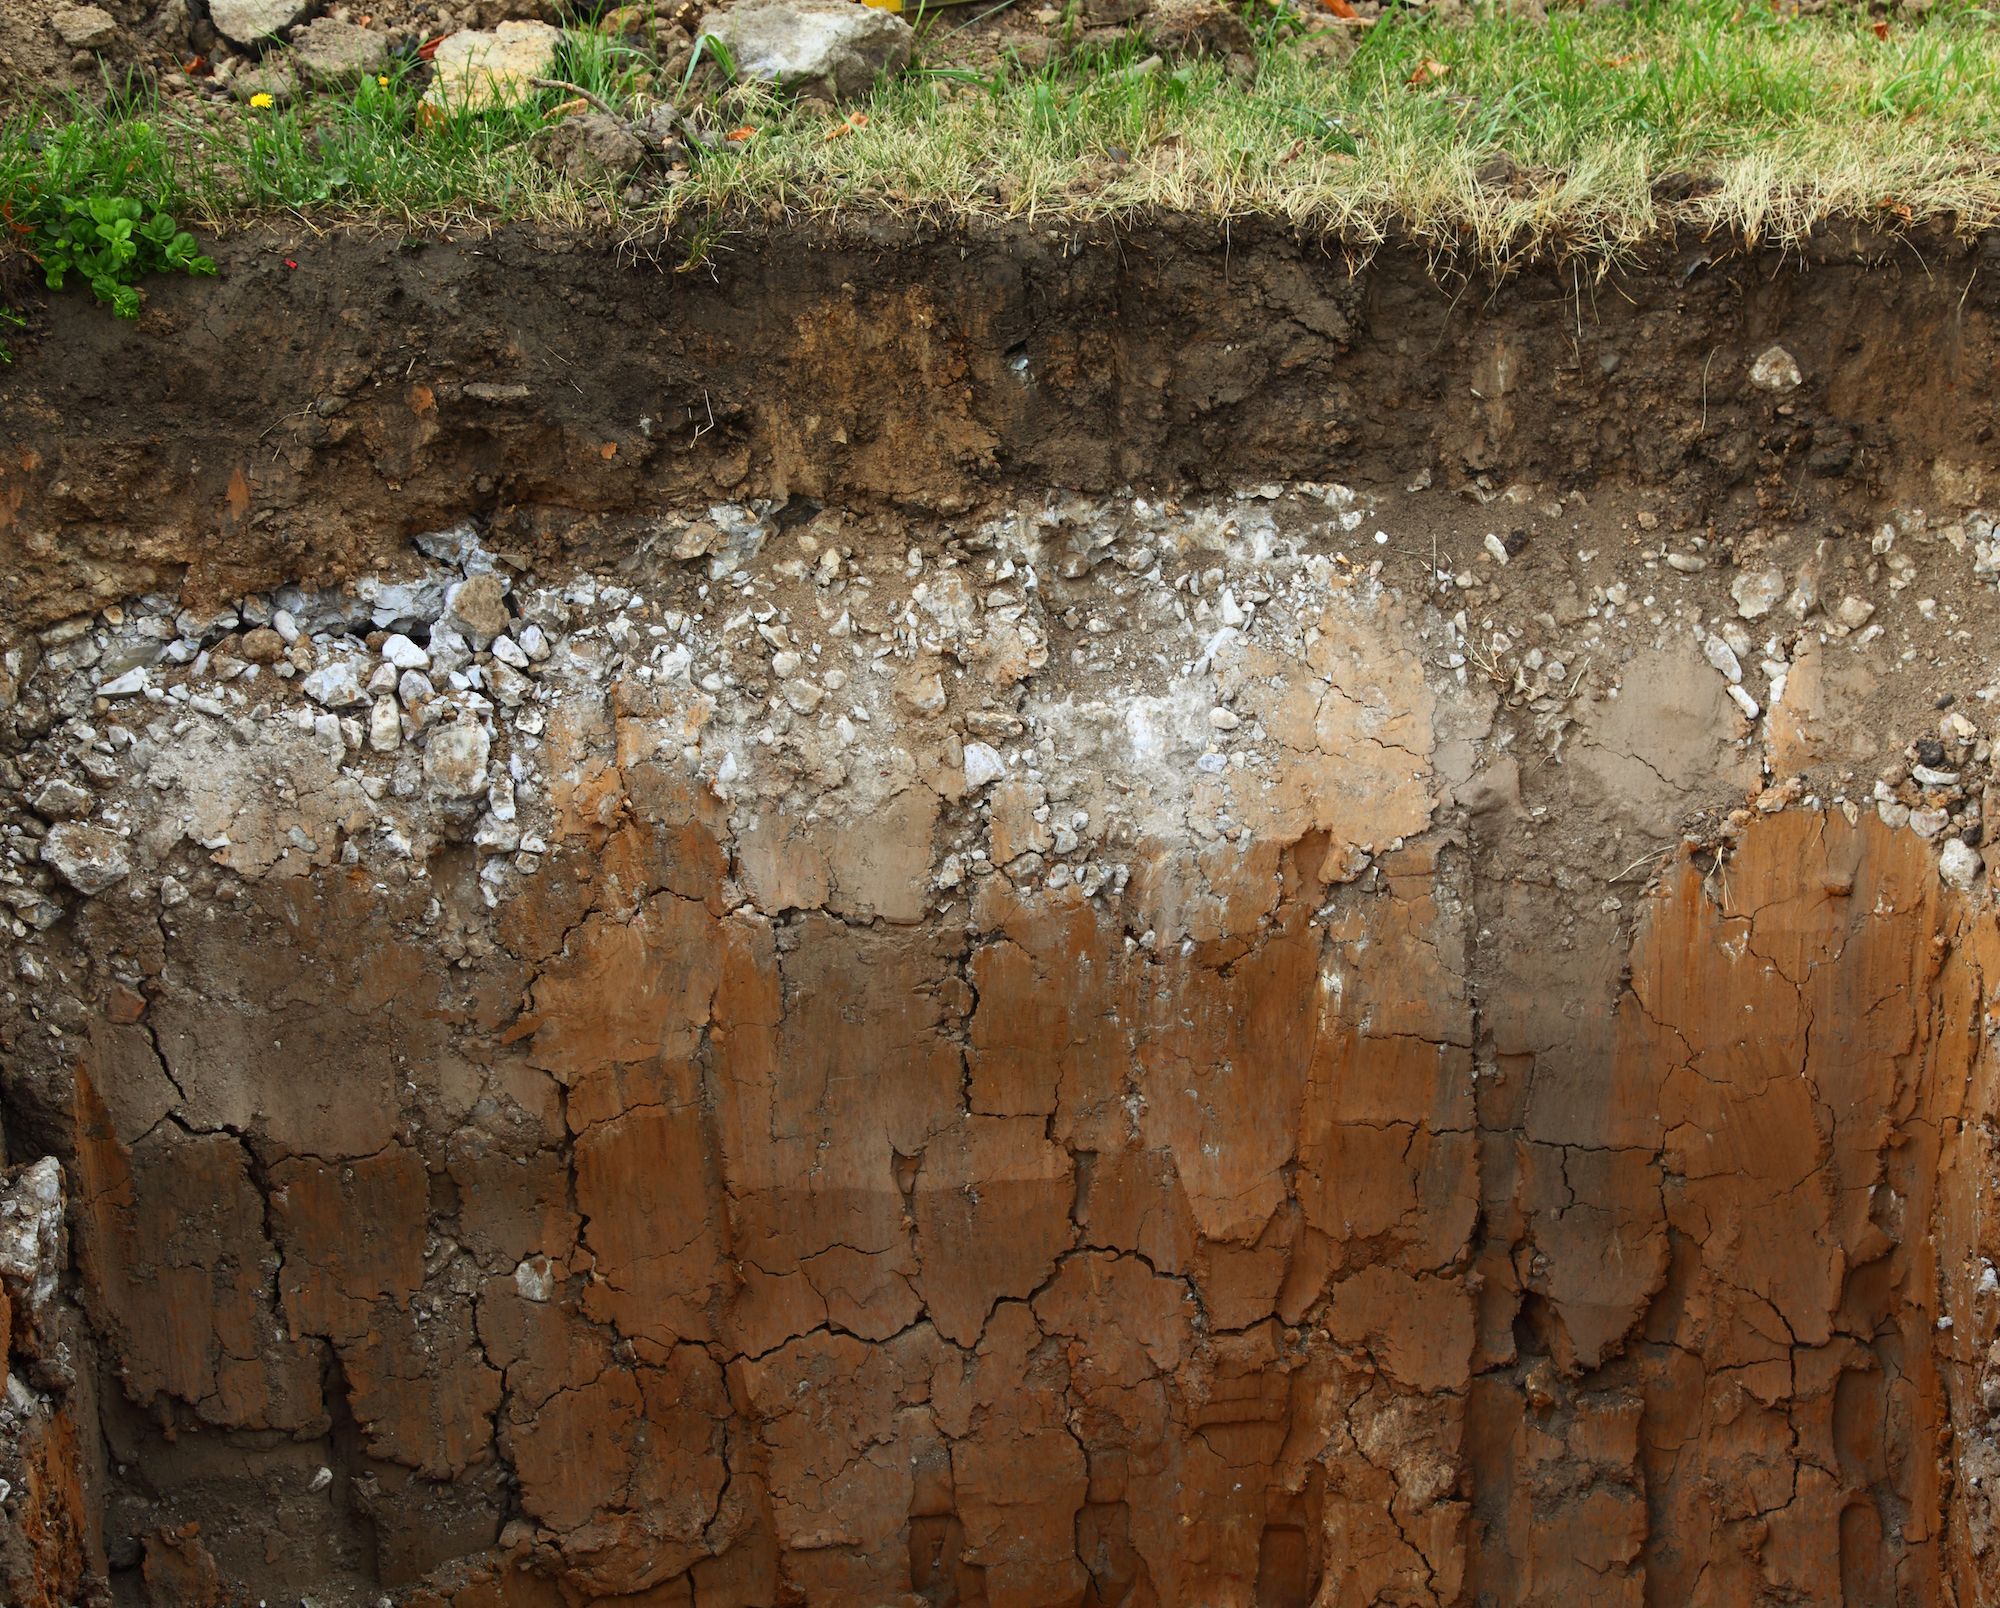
{"points": [[382, 79], [261, 100]]}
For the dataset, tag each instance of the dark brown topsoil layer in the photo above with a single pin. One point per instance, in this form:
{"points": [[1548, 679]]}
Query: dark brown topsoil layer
{"points": [[327, 395]]}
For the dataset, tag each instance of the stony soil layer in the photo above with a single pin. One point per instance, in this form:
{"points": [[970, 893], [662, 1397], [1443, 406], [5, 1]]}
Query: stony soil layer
{"points": [[870, 1003]]}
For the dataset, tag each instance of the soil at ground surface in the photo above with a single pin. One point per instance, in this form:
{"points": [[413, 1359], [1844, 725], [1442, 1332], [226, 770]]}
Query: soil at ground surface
{"points": [[1024, 918], [330, 395]]}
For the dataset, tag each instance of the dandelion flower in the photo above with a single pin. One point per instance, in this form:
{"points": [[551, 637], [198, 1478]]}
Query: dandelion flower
{"points": [[382, 79], [261, 100]]}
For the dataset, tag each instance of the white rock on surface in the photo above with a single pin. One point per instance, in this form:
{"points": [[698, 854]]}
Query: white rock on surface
{"points": [[829, 49], [475, 69]]}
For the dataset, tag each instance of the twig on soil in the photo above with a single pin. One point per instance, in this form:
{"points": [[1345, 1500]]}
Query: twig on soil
{"points": [[568, 88]]}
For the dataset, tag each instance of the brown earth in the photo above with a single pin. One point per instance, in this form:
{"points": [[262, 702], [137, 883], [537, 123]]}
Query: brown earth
{"points": [[1396, 1090], [317, 416]]}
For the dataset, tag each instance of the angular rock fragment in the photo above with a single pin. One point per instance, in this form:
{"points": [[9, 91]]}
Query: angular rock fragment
{"points": [[84, 27], [475, 70], [822, 49], [455, 758], [477, 609], [335, 685], [253, 22], [89, 858], [1776, 370], [61, 800], [339, 53]]}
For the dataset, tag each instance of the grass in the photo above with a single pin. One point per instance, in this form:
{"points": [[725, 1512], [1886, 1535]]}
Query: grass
{"points": [[1616, 123]]}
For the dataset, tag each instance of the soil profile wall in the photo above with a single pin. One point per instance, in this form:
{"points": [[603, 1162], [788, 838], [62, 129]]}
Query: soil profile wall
{"points": [[1026, 922]]}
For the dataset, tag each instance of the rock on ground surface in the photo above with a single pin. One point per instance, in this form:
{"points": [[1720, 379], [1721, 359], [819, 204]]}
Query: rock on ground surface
{"points": [[829, 49], [255, 22], [85, 27], [591, 147], [339, 53], [477, 68]]}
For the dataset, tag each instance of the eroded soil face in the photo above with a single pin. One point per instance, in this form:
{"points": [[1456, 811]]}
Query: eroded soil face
{"points": [[1390, 1037]]}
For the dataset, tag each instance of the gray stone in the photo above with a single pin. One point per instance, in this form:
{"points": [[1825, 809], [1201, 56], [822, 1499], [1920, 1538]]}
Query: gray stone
{"points": [[134, 653], [455, 759], [130, 684], [251, 22], [390, 602], [85, 27], [330, 52], [591, 148], [89, 858], [62, 801], [31, 1234], [828, 49]]}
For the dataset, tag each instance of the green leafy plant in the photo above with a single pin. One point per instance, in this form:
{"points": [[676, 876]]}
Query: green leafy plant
{"points": [[85, 195], [111, 242]]}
